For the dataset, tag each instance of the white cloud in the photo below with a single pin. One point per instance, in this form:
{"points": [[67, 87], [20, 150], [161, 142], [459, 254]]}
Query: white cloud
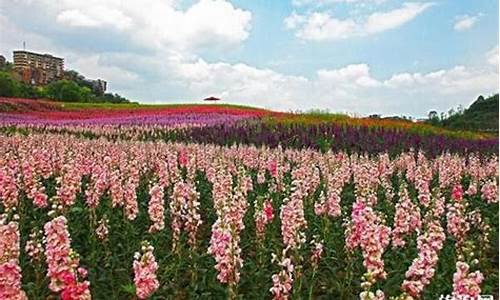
{"points": [[352, 75], [322, 26], [94, 67], [351, 88], [300, 3], [12, 37], [294, 20], [73, 17], [156, 24], [465, 22], [95, 16], [239, 83], [382, 21], [492, 56], [456, 80]]}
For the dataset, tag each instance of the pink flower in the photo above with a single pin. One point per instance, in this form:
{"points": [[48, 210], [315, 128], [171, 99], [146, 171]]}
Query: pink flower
{"points": [[283, 280], [69, 184], [273, 168], [472, 190], [184, 212], [457, 224], [9, 191], [466, 284], [489, 192], [305, 179], [99, 182], [227, 264], [422, 179], [406, 218], [261, 176], [183, 157], [316, 252], [34, 247], [116, 188], [145, 268], [421, 271], [230, 204], [32, 185], [10, 272], [263, 215], [62, 262], [74, 290], [457, 193], [130, 196], [10, 281], [156, 209], [268, 211], [367, 231], [330, 206]]}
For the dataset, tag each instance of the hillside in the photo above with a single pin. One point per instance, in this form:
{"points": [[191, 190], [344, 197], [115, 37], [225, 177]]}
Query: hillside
{"points": [[46, 110], [482, 115]]}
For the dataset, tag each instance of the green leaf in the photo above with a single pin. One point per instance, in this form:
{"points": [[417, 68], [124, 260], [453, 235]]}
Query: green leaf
{"points": [[129, 289]]}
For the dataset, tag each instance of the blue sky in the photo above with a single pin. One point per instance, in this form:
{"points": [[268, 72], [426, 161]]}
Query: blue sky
{"points": [[360, 57]]}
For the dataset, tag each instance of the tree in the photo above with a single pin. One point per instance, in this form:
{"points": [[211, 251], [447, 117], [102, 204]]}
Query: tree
{"points": [[433, 115], [70, 91], [27, 91], [8, 86], [86, 94], [7, 67], [66, 90]]}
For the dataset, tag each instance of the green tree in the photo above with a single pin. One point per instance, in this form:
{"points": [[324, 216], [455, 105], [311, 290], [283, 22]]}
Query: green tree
{"points": [[66, 90], [8, 86], [433, 117], [86, 94], [27, 91]]}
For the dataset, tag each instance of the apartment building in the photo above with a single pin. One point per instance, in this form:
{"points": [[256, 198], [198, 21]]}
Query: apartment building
{"points": [[38, 69]]}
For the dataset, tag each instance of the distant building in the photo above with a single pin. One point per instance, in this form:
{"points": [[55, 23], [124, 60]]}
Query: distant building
{"points": [[2, 61], [99, 86], [38, 69]]}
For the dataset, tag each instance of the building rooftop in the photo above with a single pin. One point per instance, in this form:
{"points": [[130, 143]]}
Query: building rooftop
{"points": [[34, 53]]}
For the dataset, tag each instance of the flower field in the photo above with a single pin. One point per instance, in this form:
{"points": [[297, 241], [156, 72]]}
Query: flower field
{"points": [[210, 202]]}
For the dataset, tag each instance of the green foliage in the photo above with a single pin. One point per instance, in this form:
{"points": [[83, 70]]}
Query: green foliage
{"points": [[65, 90], [70, 91], [7, 67], [482, 115], [111, 98], [8, 86]]}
